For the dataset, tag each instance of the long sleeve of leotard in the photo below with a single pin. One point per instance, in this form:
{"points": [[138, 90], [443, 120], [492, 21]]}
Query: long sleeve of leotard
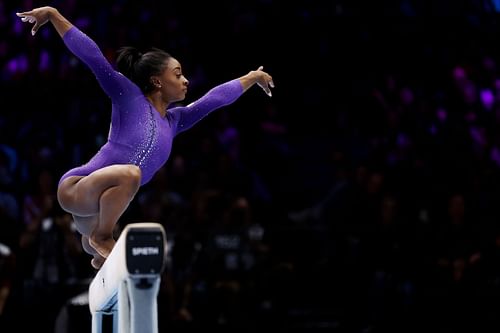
{"points": [[217, 97], [114, 84]]}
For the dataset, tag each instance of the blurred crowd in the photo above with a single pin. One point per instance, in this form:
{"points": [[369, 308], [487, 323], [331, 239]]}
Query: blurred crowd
{"points": [[361, 198]]}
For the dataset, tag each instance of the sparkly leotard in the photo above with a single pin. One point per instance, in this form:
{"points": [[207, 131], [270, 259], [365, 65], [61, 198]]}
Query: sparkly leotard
{"points": [[139, 135]]}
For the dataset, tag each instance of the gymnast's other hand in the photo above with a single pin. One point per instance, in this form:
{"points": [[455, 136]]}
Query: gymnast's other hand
{"points": [[38, 16], [264, 80]]}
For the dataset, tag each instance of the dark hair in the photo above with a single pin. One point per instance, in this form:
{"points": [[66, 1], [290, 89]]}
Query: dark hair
{"points": [[140, 67]]}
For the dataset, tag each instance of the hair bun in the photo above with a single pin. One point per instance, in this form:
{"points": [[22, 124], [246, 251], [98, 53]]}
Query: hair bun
{"points": [[128, 57], [137, 55]]}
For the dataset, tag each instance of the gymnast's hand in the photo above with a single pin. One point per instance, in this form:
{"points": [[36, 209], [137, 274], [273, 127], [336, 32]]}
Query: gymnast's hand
{"points": [[264, 80], [39, 16]]}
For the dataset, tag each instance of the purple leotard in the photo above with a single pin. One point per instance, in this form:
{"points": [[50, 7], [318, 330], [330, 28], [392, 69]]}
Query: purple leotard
{"points": [[139, 135]]}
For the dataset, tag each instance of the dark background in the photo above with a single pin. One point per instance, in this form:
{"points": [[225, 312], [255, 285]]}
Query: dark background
{"points": [[362, 197]]}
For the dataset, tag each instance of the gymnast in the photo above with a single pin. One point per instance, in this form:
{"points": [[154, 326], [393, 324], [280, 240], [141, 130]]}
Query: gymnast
{"points": [[142, 127]]}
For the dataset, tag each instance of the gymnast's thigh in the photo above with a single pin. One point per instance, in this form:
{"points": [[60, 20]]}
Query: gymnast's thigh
{"points": [[80, 195]]}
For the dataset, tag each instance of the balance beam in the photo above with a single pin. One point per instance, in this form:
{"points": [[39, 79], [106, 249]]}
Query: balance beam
{"points": [[127, 285]]}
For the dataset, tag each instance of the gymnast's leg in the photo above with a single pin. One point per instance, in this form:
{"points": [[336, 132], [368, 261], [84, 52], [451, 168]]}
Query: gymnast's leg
{"points": [[104, 194], [98, 260], [85, 225]]}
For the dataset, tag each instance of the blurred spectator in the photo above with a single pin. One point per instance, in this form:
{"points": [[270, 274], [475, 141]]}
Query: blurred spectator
{"points": [[7, 276]]}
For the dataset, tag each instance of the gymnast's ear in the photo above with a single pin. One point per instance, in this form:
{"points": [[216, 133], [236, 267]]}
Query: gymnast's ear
{"points": [[155, 81]]}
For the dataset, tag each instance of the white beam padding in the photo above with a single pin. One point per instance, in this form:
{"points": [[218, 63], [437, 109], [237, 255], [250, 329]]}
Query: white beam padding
{"points": [[127, 284]]}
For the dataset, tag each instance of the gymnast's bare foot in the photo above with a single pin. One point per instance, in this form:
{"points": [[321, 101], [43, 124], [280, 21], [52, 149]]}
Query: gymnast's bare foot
{"points": [[97, 261], [102, 244]]}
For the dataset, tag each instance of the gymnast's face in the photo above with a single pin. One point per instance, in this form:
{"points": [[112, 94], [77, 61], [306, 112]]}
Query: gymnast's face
{"points": [[173, 85]]}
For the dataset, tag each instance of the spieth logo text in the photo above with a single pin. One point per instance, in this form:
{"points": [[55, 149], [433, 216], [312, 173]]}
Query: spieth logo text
{"points": [[145, 251]]}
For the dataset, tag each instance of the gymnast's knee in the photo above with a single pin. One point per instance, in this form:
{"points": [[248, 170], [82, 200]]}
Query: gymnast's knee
{"points": [[132, 177]]}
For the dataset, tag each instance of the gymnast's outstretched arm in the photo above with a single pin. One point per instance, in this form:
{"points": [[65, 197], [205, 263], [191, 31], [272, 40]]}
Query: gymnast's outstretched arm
{"points": [[219, 96], [113, 83]]}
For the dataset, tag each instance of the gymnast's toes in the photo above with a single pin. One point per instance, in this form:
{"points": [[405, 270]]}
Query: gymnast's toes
{"points": [[103, 245], [97, 261]]}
